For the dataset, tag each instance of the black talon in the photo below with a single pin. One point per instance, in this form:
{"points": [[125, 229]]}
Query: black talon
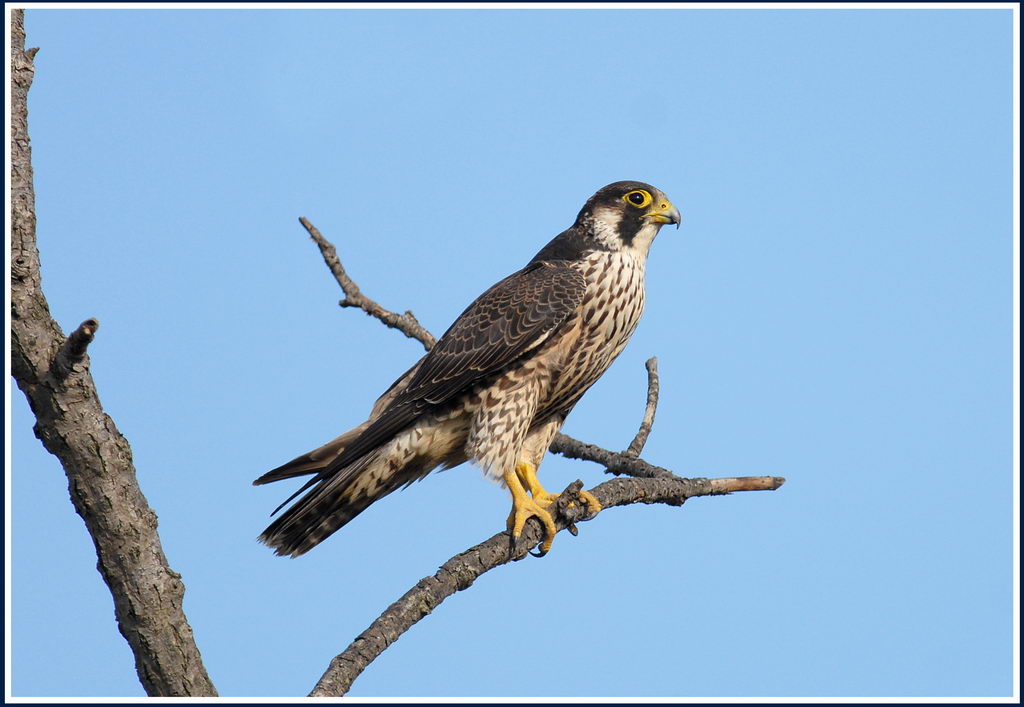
{"points": [[537, 554], [573, 530]]}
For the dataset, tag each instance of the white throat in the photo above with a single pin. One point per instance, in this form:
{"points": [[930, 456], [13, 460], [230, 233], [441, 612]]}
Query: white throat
{"points": [[605, 227]]}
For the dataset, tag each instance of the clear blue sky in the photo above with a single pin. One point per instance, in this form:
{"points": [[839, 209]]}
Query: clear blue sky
{"points": [[836, 309]]}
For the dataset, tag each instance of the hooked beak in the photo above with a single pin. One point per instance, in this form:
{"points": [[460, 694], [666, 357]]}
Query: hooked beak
{"points": [[666, 213]]}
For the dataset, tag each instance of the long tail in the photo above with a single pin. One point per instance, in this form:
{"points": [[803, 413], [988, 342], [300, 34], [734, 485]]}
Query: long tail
{"points": [[312, 462], [350, 472], [338, 494], [334, 500]]}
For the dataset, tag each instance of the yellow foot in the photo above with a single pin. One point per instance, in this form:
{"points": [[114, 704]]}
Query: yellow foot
{"points": [[524, 507], [527, 474]]}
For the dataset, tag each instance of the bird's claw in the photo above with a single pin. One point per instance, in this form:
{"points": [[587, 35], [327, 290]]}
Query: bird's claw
{"points": [[540, 504], [522, 510]]}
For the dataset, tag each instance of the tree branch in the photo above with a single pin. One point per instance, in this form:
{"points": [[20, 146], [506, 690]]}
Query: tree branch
{"points": [[53, 373], [461, 571], [651, 484], [628, 462], [614, 462], [653, 387], [405, 323]]}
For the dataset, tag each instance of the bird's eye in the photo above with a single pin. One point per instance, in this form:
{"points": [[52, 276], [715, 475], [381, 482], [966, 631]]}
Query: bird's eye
{"points": [[639, 198]]}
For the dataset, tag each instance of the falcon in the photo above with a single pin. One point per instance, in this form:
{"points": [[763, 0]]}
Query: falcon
{"points": [[498, 385]]}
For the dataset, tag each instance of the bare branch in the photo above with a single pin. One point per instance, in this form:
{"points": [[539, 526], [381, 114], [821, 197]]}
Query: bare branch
{"points": [[72, 351], [405, 323], [461, 571], [614, 462], [53, 372], [745, 483], [627, 462], [653, 386], [651, 484]]}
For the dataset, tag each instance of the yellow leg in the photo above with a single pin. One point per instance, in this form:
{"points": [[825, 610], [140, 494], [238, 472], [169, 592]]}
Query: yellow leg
{"points": [[527, 473], [522, 508]]}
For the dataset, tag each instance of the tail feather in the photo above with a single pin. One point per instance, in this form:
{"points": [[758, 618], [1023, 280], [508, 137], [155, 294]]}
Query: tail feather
{"points": [[312, 462], [332, 503], [350, 474]]}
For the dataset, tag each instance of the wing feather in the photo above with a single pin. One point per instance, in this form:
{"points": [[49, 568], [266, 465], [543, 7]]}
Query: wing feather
{"points": [[504, 323], [513, 317]]}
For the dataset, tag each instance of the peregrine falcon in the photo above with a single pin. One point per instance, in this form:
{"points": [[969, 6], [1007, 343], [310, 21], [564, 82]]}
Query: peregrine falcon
{"points": [[498, 385]]}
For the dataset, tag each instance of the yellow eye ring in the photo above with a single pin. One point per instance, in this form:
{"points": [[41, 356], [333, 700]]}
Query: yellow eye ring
{"points": [[639, 198]]}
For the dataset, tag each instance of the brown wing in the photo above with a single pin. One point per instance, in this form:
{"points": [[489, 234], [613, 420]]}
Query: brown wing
{"points": [[499, 327]]}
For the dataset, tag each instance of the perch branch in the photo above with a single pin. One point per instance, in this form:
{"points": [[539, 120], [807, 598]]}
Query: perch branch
{"points": [[461, 571], [651, 484], [53, 373]]}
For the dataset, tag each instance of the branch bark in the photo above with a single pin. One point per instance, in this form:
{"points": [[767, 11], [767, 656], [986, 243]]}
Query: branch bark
{"points": [[354, 297], [53, 373], [650, 484], [653, 389], [461, 571]]}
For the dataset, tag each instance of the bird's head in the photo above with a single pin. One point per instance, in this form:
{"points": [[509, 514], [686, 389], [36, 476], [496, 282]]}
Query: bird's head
{"points": [[627, 215]]}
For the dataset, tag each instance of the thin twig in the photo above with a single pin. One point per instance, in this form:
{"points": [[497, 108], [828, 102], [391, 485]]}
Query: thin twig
{"points": [[405, 323], [653, 387], [614, 462], [745, 483], [461, 571]]}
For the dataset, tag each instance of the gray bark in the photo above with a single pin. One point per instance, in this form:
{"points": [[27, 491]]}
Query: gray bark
{"points": [[53, 372]]}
